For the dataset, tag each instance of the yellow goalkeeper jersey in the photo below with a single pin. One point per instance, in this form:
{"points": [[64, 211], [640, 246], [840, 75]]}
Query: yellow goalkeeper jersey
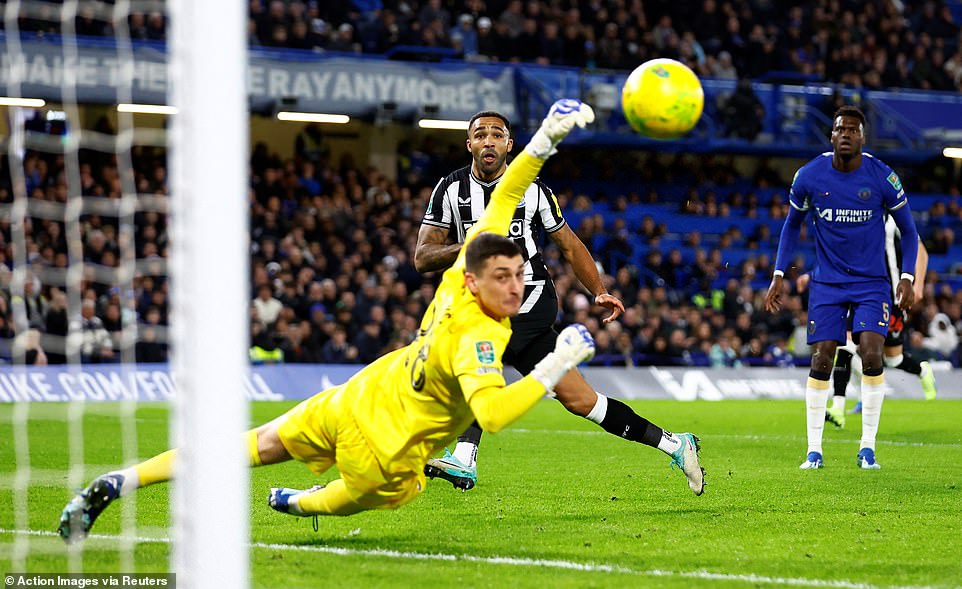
{"points": [[412, 402]]}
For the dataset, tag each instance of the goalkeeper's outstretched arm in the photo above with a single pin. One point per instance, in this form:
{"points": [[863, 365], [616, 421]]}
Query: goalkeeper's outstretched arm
{"points": [[497, 407]]}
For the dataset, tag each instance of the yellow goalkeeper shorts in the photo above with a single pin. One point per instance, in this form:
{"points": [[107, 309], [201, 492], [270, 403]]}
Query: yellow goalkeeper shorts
{"points": [[321, 432]]}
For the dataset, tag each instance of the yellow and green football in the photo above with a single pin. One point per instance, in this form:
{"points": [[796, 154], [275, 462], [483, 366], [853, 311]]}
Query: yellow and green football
{"points": [[662, 99]]}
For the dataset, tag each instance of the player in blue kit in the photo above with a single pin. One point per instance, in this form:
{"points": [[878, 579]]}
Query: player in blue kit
{"points": [[849, 193]]}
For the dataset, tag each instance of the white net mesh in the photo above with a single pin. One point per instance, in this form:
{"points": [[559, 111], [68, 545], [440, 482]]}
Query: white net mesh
{"points": [[86, 247], [84, 197]]}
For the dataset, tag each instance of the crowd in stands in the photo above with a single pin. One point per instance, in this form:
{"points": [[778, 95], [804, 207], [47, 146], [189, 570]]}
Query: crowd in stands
{"points": [[333, 280], [876, 44], [332, 240], [881, 44]]}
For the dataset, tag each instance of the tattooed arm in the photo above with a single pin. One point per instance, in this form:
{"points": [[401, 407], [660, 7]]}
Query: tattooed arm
{"points": [[433, 252]]}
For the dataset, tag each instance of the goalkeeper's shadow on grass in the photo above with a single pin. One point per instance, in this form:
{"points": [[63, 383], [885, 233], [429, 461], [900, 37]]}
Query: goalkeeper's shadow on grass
{"points": [[356, 539], [361, 532]]}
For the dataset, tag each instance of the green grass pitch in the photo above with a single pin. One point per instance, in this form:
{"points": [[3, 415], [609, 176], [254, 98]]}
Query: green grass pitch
{"points": [[562, 504]]}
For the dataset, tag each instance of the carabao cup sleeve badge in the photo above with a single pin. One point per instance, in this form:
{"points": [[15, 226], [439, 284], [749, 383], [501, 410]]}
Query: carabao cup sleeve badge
{"points": [[485, 352]]}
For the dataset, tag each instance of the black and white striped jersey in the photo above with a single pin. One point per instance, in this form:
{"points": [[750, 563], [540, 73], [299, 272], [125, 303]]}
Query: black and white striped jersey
{"points": [[893, 253], [458, 201]]}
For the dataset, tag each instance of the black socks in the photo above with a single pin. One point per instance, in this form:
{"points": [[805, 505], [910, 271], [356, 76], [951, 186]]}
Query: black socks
{"points": [[621, 421]]}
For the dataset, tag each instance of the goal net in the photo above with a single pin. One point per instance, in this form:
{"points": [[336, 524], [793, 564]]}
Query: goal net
{"points": [[123, 235]]}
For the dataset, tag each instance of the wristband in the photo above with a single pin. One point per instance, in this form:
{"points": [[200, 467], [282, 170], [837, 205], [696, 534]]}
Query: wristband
{"points": [[907, 276], [778, 273]]}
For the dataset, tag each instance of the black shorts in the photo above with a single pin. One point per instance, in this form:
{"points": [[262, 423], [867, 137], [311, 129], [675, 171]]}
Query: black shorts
{"points": [[895, 335], [533, 336]]}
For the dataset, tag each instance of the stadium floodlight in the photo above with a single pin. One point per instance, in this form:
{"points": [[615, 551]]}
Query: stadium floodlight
{"points": [[148, 109], [953, 152], [25, 102], [428, 118], [443, 124], [313, 117]]}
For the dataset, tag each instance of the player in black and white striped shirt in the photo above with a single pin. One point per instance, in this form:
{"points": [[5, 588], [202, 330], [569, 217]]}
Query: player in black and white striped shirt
{"points": [[894, 357], [456, 203]]}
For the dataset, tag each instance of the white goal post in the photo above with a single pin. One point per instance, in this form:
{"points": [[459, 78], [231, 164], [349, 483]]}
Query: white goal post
{"points": [[209, 267]]}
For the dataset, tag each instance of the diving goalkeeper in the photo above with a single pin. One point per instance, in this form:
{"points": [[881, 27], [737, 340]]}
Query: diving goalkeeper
{"points": [[381, 427]]}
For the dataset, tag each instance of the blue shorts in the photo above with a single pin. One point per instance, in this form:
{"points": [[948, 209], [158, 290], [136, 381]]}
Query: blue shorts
{"points": [[870, 302]]}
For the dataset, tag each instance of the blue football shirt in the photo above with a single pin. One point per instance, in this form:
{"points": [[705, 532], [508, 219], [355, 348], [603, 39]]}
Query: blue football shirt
{"points": [[848, 210]]}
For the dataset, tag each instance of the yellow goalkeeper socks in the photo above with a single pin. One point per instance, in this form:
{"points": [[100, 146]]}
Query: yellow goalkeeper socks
{"points": [[158, 469], [252, 452], [330, 500]]}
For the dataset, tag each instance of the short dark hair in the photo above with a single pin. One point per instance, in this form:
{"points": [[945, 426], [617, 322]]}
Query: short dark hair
{"points": [[850, 111], [491, 113], [487, 245]]}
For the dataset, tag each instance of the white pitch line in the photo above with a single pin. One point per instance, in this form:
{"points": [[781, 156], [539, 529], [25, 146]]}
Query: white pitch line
{"points": [[520, 562], [709, 436]]}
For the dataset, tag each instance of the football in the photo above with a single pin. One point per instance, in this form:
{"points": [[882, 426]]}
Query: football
{"points": [[662, 99]]}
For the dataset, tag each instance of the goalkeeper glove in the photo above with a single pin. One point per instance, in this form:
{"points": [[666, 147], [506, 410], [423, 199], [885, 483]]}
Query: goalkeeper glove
{"points": [[574, 346], [561, 119]]}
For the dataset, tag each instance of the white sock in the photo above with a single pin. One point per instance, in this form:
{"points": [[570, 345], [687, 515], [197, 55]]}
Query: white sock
{"points": [[598, 412], [850, 346], [855, 382], [815, 402], [466, 453], [873, 393], [893, 361], [294, 505], [838, 401], [131, 480], [669, 442]]}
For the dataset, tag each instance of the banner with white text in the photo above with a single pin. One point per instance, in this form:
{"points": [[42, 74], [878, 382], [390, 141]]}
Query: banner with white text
{"points": [[348, 86], [292, 382]]}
